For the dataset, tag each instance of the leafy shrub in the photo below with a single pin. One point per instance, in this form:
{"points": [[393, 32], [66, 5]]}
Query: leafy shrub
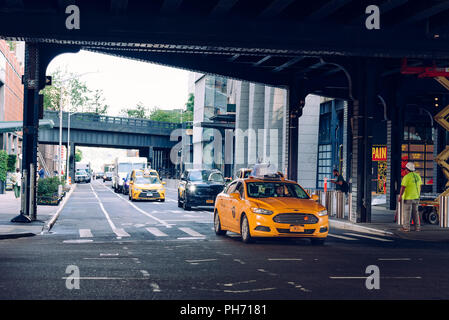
{"points": [[3, 165], [12, 158], [48, 187]]}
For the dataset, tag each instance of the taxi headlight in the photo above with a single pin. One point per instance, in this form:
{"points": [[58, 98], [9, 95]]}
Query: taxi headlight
{"points": [[322, 213], [261, 211], [192, 188]]}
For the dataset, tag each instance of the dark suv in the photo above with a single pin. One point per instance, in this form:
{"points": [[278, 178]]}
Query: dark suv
{"points": [[199, 187]]}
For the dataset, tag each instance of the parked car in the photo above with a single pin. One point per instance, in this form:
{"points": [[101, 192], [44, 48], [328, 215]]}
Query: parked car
{"points": [[125, 189], [199, 187]]}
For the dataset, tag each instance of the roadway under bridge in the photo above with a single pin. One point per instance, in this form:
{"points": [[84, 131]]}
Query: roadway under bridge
{"points": [[151, 138], [322, 47]]}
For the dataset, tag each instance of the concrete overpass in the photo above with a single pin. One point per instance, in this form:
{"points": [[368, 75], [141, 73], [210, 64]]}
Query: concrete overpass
{"points": [[151, 138]]}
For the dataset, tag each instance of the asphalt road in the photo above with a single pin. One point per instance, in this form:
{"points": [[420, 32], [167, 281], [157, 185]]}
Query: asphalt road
{"points": [[152, 250]]}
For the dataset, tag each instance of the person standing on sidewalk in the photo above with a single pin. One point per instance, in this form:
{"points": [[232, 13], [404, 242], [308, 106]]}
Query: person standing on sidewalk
{"points": [[16, 179], [410, 192]]}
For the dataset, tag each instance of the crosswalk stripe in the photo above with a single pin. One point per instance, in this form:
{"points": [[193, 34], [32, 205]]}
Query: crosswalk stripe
{"points": [[156, 232], [369, 237], [191, 232], [85, 233], [340, 237]]}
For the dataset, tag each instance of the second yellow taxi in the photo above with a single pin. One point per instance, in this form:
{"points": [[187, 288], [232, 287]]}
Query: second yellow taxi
{"points": [[270, 206], [145, 185]]}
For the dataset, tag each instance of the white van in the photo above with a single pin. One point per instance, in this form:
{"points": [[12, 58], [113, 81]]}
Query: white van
{"points": [[123, 166]]}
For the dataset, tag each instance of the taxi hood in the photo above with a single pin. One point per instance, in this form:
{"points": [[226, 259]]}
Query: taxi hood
{"points": [[149, 186], [288, 204]]}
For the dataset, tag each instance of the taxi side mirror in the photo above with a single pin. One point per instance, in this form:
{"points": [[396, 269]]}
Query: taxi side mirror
{"points": [[235, 195], [315, 197], [163, 182]]}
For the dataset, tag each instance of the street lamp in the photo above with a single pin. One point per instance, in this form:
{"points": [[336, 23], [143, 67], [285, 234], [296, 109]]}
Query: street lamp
{"points": [[67, 168], [60, 122]]}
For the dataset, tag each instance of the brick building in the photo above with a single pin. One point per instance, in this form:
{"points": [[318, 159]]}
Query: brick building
{"points": [[11, 92]]}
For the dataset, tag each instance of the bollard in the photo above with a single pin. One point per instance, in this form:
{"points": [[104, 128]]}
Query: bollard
{"points": [[340, 204], [400, 212], [443, 211], [350, 217], [329, 203]]}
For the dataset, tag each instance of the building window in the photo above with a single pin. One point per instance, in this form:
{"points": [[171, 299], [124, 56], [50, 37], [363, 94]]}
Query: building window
{"points": [[324, 164]]}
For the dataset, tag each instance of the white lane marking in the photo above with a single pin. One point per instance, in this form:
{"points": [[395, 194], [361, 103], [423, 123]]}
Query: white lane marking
{"points": [[103, 278], [78, 241], [235, 283], [108, 254], [369, 237], [284, 259], [104, 258], [191, 232], [118, 232], [145, 273], [341, 237], [156, 232], [155, 287], [265, 271], [298, 286], [140, 210], [85, 233], [191, 238], [176, 211], [357, 278], [202, 260], [239, 261]]}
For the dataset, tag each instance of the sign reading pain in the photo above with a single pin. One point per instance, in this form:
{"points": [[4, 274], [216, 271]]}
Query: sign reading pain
{"points": [[379, 153]]}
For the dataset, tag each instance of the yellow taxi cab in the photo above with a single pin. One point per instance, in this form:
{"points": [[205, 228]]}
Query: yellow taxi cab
{"points": [[144, 185], [268, 205]]}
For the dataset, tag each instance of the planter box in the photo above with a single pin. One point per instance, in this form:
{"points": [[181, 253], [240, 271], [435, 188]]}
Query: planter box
{"points": [[48, 200]]}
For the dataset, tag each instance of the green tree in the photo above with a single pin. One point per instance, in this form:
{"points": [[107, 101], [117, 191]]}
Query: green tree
{"points": [[3, 165], [78, 155], [12, 158], [140, 111], [76, 95]]}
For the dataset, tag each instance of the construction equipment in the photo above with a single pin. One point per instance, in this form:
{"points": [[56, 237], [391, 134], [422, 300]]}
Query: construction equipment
{"points": [[430, 207]]}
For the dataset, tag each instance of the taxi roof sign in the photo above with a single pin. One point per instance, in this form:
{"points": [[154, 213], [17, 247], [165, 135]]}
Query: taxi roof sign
{"points": [[266, 171]]}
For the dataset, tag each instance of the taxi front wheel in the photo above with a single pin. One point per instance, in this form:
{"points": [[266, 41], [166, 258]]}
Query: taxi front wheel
{"points": [[245, 231], [217, 226]]}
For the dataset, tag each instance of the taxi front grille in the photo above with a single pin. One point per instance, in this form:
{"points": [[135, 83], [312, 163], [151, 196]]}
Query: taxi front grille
{"points": [[295, 218], [306, 231]]}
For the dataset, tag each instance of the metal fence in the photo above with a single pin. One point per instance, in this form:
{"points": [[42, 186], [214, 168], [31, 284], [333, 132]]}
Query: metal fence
{"points": [[109, 120], [337, 203]]}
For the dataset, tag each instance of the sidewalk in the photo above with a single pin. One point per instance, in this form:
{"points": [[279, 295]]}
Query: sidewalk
{"points": [[10, 208], [383, 224]]}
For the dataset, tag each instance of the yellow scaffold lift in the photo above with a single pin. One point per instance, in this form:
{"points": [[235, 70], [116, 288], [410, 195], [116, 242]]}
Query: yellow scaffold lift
{"points": [[430, 208]]}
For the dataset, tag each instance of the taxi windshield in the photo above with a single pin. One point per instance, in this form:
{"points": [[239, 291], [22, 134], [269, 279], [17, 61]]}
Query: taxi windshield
{"points": [[275, 190], [147, 180]]}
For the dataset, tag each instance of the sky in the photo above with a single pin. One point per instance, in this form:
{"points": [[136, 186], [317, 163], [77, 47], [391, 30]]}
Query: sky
{"points": [[126, 82]]}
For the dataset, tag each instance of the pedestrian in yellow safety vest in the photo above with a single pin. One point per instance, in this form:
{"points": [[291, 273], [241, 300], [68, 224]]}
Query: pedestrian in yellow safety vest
{"points": [[410, 192]]}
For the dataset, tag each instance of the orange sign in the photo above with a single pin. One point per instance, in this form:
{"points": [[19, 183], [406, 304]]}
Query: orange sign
{"points": [[379, 153]]}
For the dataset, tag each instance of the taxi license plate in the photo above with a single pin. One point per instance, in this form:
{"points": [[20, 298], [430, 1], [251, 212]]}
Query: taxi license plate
{"points": [[296, 229], [209, 201]]}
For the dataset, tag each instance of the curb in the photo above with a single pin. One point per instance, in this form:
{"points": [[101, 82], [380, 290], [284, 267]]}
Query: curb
{"points": [[49, 224], [353, 227]]}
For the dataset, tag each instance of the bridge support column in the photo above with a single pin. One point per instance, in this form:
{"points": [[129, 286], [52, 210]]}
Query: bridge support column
{"points": [[362, 107], [30, 134], [296, 101], [395, 133]]}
